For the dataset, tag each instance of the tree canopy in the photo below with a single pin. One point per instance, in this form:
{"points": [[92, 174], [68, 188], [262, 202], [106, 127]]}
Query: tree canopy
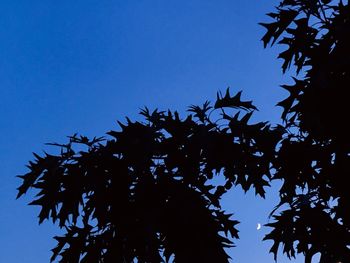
{"points": [[147, 192], [313, 160]]}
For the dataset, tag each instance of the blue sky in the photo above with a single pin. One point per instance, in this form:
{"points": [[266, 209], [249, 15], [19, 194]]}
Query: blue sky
{"points": [[78, 66]]}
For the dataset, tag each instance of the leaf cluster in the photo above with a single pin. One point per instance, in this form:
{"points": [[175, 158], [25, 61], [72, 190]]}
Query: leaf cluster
{"points": [[147, 193], [313, 160]]}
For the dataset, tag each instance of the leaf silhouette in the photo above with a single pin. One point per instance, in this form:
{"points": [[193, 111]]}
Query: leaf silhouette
{"points": [[233, 102]]}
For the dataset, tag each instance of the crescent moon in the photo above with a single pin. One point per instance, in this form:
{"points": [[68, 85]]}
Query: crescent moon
{"points": [[258, 226]]}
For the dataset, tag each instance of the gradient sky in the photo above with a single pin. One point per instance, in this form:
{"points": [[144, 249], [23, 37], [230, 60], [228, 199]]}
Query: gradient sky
{"points": [[78, 66]]}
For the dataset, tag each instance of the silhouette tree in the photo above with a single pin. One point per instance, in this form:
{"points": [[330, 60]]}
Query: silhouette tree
{"points": [[148, 194], [313, 160]]}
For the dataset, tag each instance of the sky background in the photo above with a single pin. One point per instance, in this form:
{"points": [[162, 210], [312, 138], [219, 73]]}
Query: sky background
{"points": [[78, 66]]}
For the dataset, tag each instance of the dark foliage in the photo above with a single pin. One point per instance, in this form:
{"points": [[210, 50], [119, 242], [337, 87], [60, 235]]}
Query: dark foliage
{"points": [[314, 157], [148, 194]]}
